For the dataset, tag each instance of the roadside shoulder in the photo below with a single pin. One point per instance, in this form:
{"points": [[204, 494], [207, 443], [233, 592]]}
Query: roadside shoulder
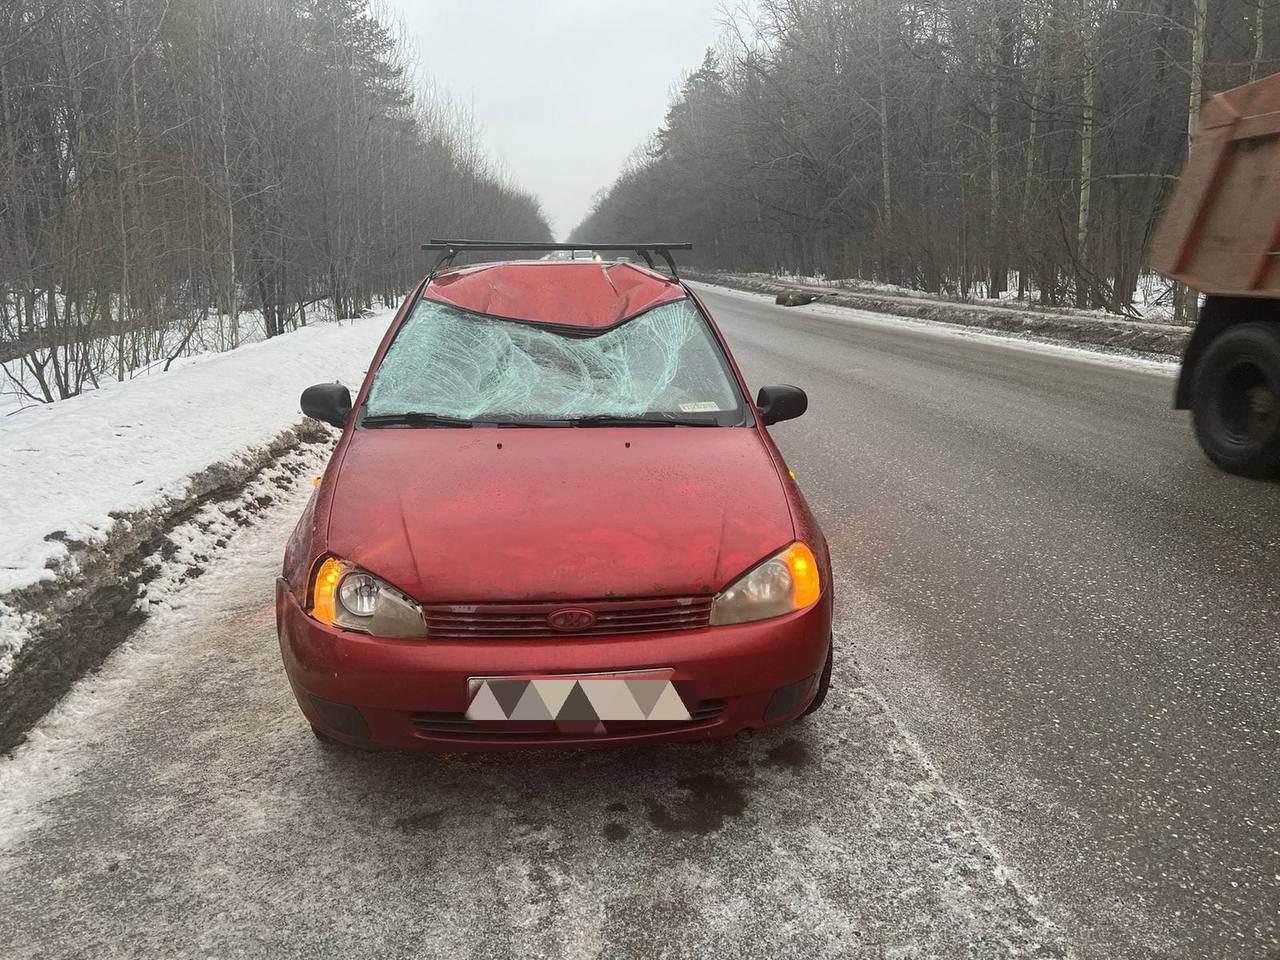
{"points": [[63, 628], [1143, 340], [108, 487]]}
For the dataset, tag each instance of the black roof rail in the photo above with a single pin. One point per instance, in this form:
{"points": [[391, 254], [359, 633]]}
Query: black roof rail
{"points": [[451, 248]]}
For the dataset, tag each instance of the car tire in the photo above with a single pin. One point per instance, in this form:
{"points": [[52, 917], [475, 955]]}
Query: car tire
{"points": [[824, 682], [1235, 400]]}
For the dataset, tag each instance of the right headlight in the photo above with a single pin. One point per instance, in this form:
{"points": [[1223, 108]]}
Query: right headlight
{"points": [[343, 595], [786, 582]]}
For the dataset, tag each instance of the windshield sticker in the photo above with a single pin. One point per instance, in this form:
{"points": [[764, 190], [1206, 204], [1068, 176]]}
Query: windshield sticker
{"points": [[702, 406]]}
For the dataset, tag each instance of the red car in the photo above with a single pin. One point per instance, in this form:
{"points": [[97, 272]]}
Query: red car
{"points": [[554, 516]]}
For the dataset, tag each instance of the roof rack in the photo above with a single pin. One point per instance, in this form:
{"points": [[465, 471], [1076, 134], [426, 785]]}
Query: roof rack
{"points": [[451, 248]]}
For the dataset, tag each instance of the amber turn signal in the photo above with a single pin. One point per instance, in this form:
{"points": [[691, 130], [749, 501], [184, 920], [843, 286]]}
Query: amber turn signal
{"points": [[805, 587], [324, 589]]}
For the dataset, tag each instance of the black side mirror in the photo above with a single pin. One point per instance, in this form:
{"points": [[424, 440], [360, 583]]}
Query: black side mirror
{"points": [[781, 402], [328, 403]]}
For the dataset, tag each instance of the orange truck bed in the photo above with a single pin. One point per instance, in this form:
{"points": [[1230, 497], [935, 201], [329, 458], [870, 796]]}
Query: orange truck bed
{"points": [[1221, 231]]}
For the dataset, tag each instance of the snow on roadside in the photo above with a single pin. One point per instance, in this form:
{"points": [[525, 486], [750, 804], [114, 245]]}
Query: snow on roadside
{"points": [[1151, 295], [14, 627], [66, 736], [1107, 356], [197, 336], [69, 468]]}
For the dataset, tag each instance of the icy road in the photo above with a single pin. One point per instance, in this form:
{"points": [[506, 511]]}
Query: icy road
{"points": [[1053, 729]]}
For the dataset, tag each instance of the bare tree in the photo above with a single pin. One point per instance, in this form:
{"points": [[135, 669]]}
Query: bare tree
{"points": [[181, 175], [941, 143]]}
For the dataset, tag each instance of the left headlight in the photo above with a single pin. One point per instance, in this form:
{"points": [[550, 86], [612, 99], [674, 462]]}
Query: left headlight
{"points": [[343, 595], [786, 582]]}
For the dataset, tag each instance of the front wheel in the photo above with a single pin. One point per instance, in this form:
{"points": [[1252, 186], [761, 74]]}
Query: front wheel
{"points": [[1235, 401]]}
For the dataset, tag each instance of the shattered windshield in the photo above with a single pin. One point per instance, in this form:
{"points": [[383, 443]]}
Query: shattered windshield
{"points": [[454, 365]]}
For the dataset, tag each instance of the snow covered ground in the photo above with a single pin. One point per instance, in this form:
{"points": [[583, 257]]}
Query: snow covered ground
{"points": [[19, 389], [1152, 298], [72, 467]]}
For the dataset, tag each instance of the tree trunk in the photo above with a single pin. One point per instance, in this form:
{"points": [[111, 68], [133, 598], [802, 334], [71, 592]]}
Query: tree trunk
{"points": [[1029, 177], [999, 267], [887, 264], [1257, 40], [231, 295], [1086, 174], [1186, 302]]}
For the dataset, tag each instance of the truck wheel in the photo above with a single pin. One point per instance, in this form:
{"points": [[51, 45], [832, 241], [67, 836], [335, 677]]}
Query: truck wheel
{"points": [[824, 683], [1235, 402]]}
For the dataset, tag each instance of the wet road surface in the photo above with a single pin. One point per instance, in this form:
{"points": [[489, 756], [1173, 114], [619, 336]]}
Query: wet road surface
{"points": [[1057, 636], [1076, 616]]}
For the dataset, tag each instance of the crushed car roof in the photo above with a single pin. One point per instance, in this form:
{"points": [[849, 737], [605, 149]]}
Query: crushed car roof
{"points": [[577, 293]]}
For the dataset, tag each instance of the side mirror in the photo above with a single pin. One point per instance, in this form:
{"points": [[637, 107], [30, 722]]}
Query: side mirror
{"points": [[327, 402], [781, 402]]}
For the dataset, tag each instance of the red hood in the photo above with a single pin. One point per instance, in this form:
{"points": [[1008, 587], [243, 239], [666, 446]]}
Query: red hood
{"points": [[557, 514]]}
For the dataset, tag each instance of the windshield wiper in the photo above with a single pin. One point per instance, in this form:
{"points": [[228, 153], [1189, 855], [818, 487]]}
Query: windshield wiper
{"points": [[606, 420], [414, 419]]}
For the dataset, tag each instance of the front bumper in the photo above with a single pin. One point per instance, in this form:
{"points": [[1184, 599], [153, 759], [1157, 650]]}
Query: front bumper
{"points": [[413, 693]]}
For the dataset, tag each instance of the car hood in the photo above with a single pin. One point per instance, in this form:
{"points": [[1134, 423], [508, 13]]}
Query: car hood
{"points": [[585, 513]]}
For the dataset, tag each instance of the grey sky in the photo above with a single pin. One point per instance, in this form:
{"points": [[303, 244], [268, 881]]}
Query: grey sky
{"points": [[564, 89]]}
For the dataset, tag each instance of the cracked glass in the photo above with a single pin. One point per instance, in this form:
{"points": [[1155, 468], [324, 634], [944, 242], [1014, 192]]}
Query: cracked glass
{"points": [[451, 363]]}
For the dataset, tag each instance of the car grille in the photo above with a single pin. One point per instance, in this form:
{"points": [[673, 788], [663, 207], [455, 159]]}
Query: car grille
{"points": [[457, 725], [529, 620]]}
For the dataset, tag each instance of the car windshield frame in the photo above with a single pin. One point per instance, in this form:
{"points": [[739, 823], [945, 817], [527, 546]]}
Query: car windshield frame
{"points": [[684, 325]]}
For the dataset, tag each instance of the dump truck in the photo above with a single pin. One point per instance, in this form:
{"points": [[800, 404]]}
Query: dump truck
{"points": [[1221, 236]]}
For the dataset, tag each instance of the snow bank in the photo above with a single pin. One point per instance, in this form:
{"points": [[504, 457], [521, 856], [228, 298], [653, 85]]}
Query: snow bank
{"points": [[1082, 328], [1151, 300], [195, 336], [1084, 352], [68, 468]]}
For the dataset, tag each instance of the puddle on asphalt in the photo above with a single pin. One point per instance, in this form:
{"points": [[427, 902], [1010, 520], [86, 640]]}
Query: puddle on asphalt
{"points": [[711, 799], [615, 832], [790, 753]]}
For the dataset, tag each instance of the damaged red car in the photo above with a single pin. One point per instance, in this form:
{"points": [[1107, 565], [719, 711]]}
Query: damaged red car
{"points": [[554, 516]]}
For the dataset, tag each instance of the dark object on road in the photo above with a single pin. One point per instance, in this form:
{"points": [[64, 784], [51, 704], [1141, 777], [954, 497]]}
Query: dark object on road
{"points": [[554, 516], [1221, 235], [794, 299]]}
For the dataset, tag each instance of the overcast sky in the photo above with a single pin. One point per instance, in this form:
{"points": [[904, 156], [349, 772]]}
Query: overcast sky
{"points": [[537, 75]]}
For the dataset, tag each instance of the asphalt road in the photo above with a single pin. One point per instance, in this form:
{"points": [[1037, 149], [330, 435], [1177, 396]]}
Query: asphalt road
{"points": [[1058, 633], [1072, 612]]}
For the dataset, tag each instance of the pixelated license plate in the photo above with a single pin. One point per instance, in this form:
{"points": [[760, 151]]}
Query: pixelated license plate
{"points": [[577, 698]]}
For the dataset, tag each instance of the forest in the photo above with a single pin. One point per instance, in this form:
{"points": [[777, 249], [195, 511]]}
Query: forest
{"points": [[977, 148], [174, 172]]}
